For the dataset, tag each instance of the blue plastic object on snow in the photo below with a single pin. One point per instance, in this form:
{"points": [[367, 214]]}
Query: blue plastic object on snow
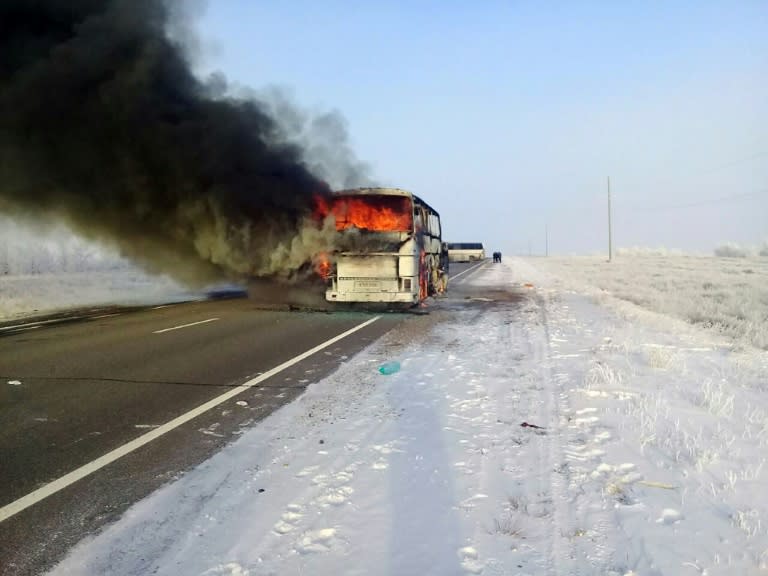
{"points": [[390, 367]]}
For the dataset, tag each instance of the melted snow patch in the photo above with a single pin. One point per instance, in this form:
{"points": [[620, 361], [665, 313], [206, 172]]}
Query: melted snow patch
{"points": [[469, 560], [316, 541], [229, 569], [669, 516]]}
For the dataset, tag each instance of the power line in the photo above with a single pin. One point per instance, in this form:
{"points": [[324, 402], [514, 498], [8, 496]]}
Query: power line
{"points": [[687, 175], [712, 201], [736, 162]]}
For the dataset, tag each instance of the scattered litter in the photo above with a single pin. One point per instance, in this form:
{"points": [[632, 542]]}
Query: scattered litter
{"points": [[526, 425], [241, 403], [210, 431], [528, 285], [390, 367], [14, 382]]}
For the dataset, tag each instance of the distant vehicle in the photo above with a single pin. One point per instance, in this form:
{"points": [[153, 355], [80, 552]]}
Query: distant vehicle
{"points": [[389, 249], [465, 251]]}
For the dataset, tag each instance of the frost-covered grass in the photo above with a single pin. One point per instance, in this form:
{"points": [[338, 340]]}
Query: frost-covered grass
{"points": [[50, 269], [732, 250], [32, 294], [27, 248], [727, 295]]}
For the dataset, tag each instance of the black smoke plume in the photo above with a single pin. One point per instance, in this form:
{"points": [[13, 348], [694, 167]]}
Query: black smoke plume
{"points": [[104, 126]]}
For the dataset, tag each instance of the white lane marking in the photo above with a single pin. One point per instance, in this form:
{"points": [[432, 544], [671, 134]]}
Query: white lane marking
{"points": [[184, 326], [472, 274], [162, 306], [475, 267], [27, 328], [40, 323], [60, 483]]}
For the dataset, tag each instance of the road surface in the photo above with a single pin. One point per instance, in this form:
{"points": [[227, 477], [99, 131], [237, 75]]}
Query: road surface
{"points": [[74, 392], [97, 412]]}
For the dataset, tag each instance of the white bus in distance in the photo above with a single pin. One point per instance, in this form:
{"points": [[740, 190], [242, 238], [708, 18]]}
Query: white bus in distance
{"points": [[466, 251], [389, 247]]}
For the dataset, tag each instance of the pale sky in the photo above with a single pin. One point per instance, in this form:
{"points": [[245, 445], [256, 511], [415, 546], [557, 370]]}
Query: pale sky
{"points": [[508, 117]]}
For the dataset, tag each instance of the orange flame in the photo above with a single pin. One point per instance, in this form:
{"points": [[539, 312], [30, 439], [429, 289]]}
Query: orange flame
{"points": [[323, 266], [374, 213]]}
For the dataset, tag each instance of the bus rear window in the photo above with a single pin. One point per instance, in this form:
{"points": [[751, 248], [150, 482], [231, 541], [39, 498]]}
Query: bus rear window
{"points": [[369, 212]]}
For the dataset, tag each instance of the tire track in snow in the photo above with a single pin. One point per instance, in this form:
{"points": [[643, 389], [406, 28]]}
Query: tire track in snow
{"points": [[582, 436], [571, 523], [561, 552]]}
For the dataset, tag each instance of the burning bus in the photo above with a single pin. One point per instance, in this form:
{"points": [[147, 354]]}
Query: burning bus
{"points": [[388, 247]]}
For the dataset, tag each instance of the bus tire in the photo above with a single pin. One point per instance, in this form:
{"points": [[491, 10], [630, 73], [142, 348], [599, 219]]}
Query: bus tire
{"points": [[434, 277], [428, 268]]}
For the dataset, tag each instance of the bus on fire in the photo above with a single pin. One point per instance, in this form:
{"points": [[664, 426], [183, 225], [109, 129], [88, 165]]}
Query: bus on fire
{"points": [[389, 247]]}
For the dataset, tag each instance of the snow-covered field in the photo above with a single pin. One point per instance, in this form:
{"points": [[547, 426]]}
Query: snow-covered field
{"points": [[728, 295], [649, 459], [33, 294], [46, 270]]}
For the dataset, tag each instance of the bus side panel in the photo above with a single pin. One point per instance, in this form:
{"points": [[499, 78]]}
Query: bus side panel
{"points": [[408, 267]]}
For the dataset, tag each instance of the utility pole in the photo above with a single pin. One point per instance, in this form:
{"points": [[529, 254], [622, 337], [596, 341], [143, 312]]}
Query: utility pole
{"points": [[610, 235], [546, 239]]}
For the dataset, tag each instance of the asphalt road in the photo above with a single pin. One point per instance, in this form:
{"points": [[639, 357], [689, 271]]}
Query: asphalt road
{"points": [[76, 392], [72, 392]]}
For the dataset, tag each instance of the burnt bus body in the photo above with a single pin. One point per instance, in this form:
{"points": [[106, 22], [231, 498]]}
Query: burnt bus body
{"points": [[389, 247]]}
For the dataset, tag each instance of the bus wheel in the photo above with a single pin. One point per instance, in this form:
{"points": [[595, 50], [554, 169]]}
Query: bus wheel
{"points": [[427, 271], [434, 277], [442, 283], [424, 278]]}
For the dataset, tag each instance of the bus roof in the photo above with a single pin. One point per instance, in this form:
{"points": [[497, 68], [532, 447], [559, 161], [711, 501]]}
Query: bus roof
{"points": [[376, 191]]}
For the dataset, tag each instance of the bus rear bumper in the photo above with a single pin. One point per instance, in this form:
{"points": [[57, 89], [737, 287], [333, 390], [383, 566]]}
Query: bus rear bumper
{"points": [[402, 297]]}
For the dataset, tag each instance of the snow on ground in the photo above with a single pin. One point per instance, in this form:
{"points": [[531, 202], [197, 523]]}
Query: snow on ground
{"points": [[727, 295], [650, 458], [32, 294], [46, 269]]}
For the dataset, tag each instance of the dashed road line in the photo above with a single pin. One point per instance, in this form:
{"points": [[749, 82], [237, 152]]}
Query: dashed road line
{"points": [[60, 483], [40, 323], [475, 268], [185, 325]]}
